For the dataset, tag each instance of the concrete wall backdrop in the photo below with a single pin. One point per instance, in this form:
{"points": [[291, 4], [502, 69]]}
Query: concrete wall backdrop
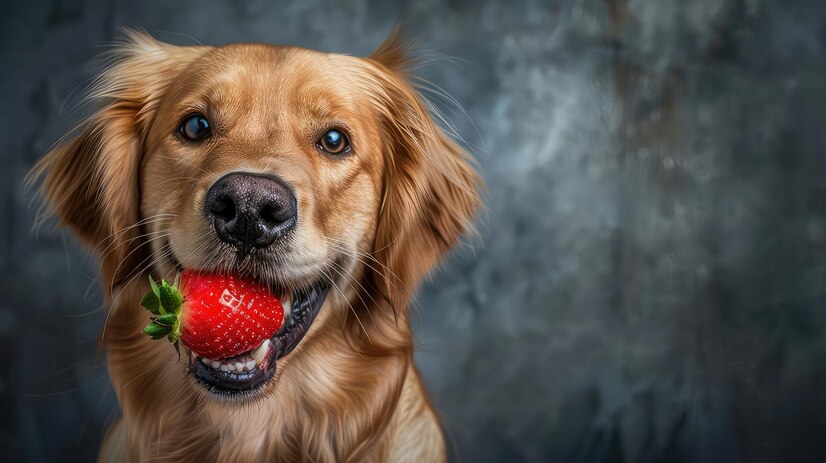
{"points": [[649, 283]]}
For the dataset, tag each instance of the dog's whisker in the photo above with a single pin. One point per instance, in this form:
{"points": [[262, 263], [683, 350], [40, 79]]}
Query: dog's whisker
{"points": [[426, 85], [137, 273], [127, 256], [344, 296], [88, 312], [149, 220], [363, 253], [148, 240], [151, 234], [176, 179], [358, 293], [349, 274], [347, 252], [147, 237], [370, 295]]}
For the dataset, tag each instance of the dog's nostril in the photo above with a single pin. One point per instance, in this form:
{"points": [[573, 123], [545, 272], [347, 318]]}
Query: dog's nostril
{"points": [[269, 215], [223, 207]]}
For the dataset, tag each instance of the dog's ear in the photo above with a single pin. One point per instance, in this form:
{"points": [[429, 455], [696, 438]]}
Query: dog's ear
{"points": [[431, 189], [90, 179]]}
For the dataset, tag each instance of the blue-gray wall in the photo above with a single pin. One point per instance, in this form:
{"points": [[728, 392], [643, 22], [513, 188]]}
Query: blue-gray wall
{"points": [[649, 281]]}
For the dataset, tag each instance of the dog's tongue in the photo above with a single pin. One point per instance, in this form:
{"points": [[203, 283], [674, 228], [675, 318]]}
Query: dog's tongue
{"points": [[216, 315]]}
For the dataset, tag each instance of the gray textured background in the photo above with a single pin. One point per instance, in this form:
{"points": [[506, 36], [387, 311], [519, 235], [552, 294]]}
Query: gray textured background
{"points": [[649, 281]]}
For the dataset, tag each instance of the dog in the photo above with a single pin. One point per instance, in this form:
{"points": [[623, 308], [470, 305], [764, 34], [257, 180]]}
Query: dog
{"points": [[347, 194]]}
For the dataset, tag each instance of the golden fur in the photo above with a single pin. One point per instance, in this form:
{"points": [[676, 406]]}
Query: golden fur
{"points": [[375, 222]]}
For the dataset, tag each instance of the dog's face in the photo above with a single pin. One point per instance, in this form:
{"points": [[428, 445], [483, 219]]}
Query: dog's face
{"points": [[268, 162], [321, 175]]}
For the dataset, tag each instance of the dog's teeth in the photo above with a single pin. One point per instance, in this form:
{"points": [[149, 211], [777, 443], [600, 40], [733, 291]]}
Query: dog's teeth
{"points": [[287, 304], [259, 353], [242, 363]]}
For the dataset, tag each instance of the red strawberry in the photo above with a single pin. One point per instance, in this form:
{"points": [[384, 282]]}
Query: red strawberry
{"points": [[216, 316]]}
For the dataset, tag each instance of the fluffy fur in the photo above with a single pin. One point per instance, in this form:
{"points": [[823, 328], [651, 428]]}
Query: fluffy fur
{"points": [[373, 223]]}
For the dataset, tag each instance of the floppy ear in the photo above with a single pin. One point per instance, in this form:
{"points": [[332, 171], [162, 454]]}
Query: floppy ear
{"points": [[430, 191], [91, 178]]}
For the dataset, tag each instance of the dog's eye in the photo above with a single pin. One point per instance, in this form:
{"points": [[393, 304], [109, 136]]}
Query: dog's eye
{"points": [[195, 127], [334, 142]]}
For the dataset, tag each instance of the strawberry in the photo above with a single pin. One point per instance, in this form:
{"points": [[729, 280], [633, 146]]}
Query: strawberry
{"points": [[216, 316]]}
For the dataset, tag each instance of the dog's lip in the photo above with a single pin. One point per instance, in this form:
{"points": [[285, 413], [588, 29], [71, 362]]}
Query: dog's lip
{"points": [[226, 382], [305, 306]]}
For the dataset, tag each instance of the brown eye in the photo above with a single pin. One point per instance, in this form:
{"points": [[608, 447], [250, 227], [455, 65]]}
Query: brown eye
{"points": [[195, 127], [334, 142]]}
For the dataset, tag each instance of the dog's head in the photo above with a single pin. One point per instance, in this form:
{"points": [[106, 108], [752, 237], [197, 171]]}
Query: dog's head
{"points": [[321, 175]]}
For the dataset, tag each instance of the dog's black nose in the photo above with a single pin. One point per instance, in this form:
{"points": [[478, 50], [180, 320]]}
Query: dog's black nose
{"points": [[250, 210]]}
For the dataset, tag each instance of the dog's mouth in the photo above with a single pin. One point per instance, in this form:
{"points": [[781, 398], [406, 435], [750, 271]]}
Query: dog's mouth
{"points": [[246, 374]]}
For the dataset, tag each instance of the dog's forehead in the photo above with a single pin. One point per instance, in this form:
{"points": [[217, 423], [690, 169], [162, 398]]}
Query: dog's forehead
{"points": [[253, 91], [288, 75]]}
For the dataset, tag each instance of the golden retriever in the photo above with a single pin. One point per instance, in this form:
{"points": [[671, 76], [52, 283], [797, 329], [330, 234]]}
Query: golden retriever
{"points": [[333, 185]]}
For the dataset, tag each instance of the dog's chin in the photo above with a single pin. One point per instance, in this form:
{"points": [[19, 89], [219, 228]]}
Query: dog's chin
{"points": [[247, 375]]}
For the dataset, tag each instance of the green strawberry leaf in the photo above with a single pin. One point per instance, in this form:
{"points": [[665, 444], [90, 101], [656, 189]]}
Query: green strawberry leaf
{"points": [[154, 287], [151, 303], [168, 319], [171, 299], [156, 331]]}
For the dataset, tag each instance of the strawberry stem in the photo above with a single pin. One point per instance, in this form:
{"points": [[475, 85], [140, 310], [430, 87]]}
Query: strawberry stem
{"points": [[165, 302]]}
